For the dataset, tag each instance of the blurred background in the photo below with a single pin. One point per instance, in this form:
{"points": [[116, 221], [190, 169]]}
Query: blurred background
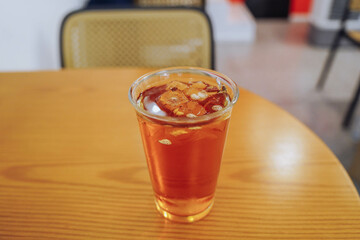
{"points": [[274, 48]]}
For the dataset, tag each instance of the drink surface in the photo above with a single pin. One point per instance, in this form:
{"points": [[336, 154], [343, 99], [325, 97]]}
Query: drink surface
{"points": [[181, 99], [184, 161]]}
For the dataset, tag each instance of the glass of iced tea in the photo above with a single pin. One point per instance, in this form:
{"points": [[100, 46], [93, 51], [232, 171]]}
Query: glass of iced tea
{"points": [[183, 115]]}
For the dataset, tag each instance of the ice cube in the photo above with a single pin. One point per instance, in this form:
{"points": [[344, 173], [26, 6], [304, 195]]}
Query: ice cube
{"points": [[176, 85], [171, 100], [199, 85], [217, 100], [152, 106], [211, 89], [192, 107]]}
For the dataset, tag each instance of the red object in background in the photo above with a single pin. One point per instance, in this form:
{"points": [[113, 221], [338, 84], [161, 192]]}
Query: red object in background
{"points": [[300, 6], [296, 6]]}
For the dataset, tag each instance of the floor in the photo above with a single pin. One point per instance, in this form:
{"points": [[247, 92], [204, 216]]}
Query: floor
{"points": [[281, 67]]}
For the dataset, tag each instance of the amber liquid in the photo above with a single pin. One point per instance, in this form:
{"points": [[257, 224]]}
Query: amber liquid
{"points": [[183, 161]]}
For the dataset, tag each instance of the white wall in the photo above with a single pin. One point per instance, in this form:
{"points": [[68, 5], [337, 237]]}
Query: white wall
{"points": [[231, 22], [29, 33], [320, 13], [30, 30]]}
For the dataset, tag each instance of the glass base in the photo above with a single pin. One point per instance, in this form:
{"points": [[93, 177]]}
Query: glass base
{"points": [[184, 219]]}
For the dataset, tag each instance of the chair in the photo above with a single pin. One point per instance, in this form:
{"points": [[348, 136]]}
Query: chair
{"points": [[171, 3], [354, 37], [137, 37]]}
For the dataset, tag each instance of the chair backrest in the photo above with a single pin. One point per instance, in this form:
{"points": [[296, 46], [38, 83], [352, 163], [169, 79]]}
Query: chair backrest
{"points": [[171, 3], [137, 37], [354, 5]]}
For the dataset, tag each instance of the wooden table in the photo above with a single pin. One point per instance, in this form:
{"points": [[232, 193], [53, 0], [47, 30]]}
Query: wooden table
{"points": [[72, 167]]}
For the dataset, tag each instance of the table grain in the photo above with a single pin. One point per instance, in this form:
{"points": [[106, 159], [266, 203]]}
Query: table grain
{"points": [[72, 166]]}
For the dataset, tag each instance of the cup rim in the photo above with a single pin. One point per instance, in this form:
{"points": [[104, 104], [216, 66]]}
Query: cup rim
{"points": [[182, 120]]}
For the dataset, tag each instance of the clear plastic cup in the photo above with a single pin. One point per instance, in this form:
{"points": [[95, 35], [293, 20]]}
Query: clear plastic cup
{"points": [[183, 154]]}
